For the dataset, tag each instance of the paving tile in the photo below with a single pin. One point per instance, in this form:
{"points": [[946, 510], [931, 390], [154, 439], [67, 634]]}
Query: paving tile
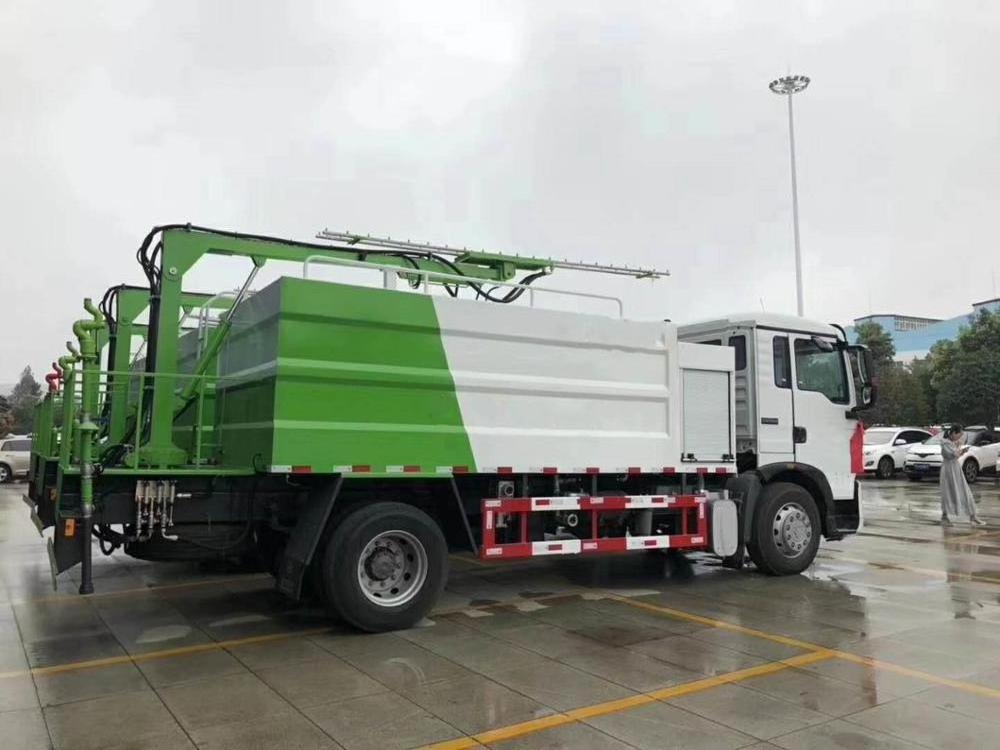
{"points": [[377, 722], [188, 667], [628, 668], [569, 737], [23, 730], [285, 731], [652, 727], [106, 722], [840, 735], [277, 653], [748, 711], [401, 663], [882, 683], [926, 725], [559, 686], [697, 656], [551, 640], [818, 693], [56, 651], [481, 653], [222, 700], [65, 687], [474, 703], [321, 681], [747, 644], [17, 692]]}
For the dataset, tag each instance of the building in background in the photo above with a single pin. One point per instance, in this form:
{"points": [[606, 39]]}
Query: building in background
{"points": [[914, 336]]}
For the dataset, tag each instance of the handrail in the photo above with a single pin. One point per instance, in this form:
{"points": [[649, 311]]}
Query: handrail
{"points": [[427, 274]]}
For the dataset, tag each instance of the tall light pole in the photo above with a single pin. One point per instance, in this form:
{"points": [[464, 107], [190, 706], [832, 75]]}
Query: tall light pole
{"points": [[787, 87]]}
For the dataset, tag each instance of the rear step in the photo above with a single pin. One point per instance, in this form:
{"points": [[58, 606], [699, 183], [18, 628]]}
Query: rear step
{"points": [[694, 528]]}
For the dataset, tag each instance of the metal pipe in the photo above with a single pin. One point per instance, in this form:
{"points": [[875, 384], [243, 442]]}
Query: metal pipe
{"points": [[88, 428], [443, 276]]}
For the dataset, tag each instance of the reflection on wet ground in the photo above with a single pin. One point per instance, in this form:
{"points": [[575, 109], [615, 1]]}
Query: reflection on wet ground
{"points": [[891, 640]]}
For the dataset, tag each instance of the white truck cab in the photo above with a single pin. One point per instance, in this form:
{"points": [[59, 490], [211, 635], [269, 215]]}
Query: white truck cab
{"points": [[798, 388]]}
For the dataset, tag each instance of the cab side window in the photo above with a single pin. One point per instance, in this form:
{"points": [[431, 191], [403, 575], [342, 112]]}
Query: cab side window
{"points": [[739, 343], [782, 362], [821, 371]]}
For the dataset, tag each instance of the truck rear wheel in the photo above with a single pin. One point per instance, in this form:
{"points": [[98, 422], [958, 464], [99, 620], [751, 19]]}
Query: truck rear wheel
{"points": [[786, 530], [385, 566]]}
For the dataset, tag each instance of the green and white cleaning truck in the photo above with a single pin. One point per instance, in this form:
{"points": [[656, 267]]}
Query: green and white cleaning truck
{"points": [[348, 436]]}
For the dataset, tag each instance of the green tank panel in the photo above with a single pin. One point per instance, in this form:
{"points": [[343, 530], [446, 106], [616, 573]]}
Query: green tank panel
{"points": [[322, 375]]}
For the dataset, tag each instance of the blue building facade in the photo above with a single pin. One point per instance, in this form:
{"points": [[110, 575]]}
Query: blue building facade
{"points": [[914, 336]]}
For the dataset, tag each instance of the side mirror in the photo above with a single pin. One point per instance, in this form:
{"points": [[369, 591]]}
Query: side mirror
{"points": [[899, 441], [867, 395]]}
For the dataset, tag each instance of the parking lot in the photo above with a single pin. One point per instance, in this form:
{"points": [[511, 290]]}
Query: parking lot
{"points": [[890, 640]]}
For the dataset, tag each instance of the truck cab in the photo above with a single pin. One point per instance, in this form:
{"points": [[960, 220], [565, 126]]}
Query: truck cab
{"points": [[799, 388]]}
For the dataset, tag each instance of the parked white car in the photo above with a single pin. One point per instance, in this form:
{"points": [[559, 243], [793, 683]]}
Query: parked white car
{"points": [[885, 448], [15, 457], [924, 460]]}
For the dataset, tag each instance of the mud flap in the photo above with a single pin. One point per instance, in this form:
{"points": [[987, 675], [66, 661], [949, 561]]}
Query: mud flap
{"points": [[67, 548], [305, 538], [744, 491]]}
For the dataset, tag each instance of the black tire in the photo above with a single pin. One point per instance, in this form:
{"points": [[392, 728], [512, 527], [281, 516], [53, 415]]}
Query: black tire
{"points": [[786, 530], [971, 470], [6, 475], [342, 559], [886, 468]]}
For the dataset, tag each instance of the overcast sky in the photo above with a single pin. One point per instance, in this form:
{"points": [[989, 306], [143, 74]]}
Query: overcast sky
{"points": [[632, 132]]}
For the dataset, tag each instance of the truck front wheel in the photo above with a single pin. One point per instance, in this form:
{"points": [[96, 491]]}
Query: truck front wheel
{"points": [[385, 566], [786, 530]]}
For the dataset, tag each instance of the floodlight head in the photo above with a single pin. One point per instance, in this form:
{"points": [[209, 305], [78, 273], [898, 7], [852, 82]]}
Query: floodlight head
{"points": [[789, 85]]}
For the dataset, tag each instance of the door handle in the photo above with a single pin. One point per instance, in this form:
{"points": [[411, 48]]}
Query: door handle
{"points": [[799, 434], [769, 420]]}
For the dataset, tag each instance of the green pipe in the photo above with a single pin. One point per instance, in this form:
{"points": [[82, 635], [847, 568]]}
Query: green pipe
{"points": [[86, 332]]}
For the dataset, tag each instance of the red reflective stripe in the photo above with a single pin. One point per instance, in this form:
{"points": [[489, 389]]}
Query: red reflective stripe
{"points": [[650, 542], [722, 470], [550, 470], [593, 470], [411, 469], [460, 469], [505, 470], [669, 470], [635, 470], [702, 470], [554, 548], [361, 468], [302, 469], [542, 501]]}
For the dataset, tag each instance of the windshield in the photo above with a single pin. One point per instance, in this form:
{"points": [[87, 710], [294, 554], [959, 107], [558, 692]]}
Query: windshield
{"points": [[968, 438], [878, 437], [936, 440]]}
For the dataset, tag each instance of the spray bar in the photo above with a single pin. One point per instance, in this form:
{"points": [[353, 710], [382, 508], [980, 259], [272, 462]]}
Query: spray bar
{"points": [[360, 241]]}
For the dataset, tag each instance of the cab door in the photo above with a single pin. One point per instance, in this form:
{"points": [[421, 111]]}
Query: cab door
{"points": [[822, 393], [775, 410]]}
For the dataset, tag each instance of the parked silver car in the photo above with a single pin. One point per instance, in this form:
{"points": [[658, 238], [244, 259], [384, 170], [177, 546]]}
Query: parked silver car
{"points": [[15, 457]]}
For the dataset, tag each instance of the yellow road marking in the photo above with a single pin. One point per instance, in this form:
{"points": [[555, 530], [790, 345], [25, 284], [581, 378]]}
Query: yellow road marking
{"points": [[575, 715], [168, 653], [721, 624], [969, 687]]}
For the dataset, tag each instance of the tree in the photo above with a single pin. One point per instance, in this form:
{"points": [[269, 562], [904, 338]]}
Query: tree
{"points": [[966, 372], [22, 402], [6, 420], [879, 343]]}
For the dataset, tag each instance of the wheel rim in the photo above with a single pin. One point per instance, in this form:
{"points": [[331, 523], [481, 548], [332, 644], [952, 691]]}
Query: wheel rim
{"points": [[392, 568], [792, 529], [970, 471], [3, 473], [886, 468]]}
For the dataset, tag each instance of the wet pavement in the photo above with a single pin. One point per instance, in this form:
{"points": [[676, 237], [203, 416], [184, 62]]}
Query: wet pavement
{"points": [[891, 640]]}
